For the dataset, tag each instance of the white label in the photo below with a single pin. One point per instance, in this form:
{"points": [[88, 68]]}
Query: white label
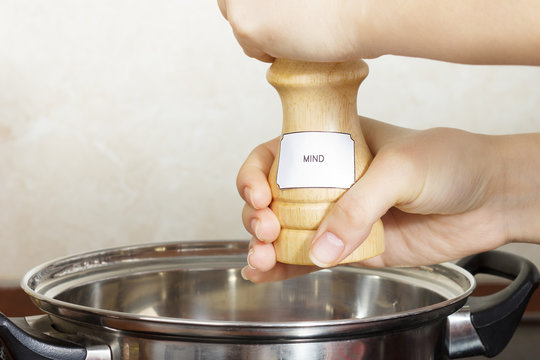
{"points": [[315, 159]]}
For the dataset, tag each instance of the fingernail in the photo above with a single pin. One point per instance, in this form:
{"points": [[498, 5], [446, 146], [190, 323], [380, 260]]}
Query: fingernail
{"points": [[255, 227], [243, 273], [326, 249], [251, 252], [248, 195]]}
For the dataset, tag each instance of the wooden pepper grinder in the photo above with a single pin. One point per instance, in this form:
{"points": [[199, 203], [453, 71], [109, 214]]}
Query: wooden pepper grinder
{"points": [[322, 152]]}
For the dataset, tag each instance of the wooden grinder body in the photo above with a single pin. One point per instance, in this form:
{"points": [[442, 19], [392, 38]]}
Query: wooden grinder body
{"points": [[317, 97]]}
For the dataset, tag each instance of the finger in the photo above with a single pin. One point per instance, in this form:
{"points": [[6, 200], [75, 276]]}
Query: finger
{"points": [[252, 179], [264, 57], [223, 8], [277, 273], [388, 181], [263, 224], [240, 19], [256, 52], [261, 256]]}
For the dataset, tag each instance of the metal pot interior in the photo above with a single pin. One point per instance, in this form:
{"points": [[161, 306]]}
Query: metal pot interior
{"points": [[196, 288]]}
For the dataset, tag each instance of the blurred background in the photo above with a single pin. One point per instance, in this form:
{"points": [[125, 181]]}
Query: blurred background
{"points": [[125, 122]]}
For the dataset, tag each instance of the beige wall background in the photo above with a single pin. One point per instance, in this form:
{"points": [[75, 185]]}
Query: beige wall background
{"points": [[125, 122]]}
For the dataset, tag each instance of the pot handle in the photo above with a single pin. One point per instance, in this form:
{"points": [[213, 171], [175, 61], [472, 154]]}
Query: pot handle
{"points": [[495, 317], [18, 340]]}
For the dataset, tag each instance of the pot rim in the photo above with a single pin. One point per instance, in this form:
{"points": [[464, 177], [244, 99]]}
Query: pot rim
{"points": [[69, 266]]}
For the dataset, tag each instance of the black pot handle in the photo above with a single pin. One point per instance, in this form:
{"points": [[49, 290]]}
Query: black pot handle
{"points": [[20, 341], [495, 317]]}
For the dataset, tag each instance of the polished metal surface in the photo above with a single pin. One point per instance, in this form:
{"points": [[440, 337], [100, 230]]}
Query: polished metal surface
{"points": [[98, 352], [95, 347], [425, 342], [462, 338], [194, 290]]}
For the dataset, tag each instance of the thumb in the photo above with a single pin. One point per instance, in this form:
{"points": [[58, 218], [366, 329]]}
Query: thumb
{"points": [[350, 220]]}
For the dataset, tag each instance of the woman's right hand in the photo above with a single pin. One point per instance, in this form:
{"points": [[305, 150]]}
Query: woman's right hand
{"points": [[442, 194]]}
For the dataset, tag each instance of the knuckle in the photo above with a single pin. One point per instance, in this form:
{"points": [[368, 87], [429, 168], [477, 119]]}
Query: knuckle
{"points": [[247, 215], [244, 27], [401, 161], [350, 211], [396, 156], [248, 165], [261, 148], [407, 165]]}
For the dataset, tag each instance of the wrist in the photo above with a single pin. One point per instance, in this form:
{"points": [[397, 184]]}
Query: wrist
{"points": [[519, 189], [368, 20]]}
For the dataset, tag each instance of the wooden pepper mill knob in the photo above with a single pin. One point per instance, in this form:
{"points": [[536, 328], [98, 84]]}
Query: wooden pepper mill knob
{"points": [[322, 152]]}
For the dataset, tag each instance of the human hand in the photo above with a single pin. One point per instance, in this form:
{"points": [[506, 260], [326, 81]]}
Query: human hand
{"points": [[334, 31], [309, 30], [438, 192]]}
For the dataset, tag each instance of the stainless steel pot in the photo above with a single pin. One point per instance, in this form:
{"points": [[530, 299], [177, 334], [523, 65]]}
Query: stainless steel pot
{"points": [[188, 301]]}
